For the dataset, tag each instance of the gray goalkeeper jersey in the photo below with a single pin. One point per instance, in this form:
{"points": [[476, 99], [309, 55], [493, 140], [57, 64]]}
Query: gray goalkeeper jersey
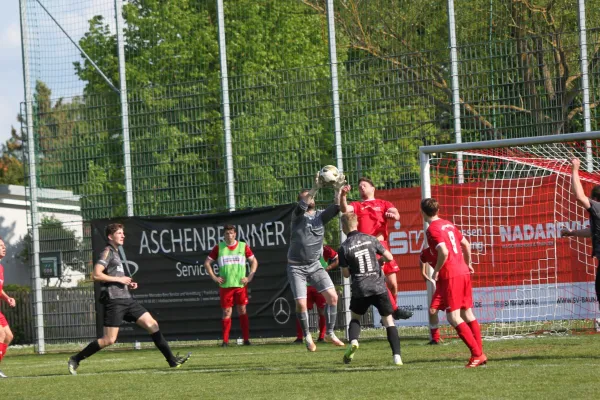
{"points": [[113, 266], [308, 230]]}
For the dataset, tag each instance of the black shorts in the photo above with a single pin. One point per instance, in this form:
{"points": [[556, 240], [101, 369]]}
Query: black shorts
{"points": [[360, 305], [118, 310]]}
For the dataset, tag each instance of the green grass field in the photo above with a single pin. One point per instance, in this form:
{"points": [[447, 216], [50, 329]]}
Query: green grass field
{"points": [[533, 368]]}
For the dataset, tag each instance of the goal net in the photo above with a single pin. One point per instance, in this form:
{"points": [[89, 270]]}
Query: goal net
{"points": [[511, 199]]}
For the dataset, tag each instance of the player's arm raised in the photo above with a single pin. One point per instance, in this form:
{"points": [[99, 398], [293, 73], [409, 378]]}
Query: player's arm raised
{"points": [[576, 186], [466, 250], [344, 206]]}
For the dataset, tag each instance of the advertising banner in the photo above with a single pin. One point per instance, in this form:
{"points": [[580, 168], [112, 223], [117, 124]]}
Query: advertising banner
{"points": [[165, 256]]}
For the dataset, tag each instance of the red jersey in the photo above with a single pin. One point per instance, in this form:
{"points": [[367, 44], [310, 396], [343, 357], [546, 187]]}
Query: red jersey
{"points": [[329, 254], [1, 277], [442, 231], [214, 253], [371, 216], [428, 256]]}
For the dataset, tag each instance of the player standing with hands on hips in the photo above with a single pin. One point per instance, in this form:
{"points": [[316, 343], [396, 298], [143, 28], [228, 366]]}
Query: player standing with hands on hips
{"points": [[6, 335], [231, 256], [592, 206], [452, 273], [304, 254]]}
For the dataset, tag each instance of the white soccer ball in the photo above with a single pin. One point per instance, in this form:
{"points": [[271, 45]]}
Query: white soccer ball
{"points": [[329, 174]]}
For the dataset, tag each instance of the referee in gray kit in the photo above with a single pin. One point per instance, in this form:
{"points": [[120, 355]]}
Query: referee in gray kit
{"points": [[304, 254]]}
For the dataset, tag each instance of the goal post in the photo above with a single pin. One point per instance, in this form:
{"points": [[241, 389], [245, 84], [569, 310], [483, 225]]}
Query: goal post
{"points": [[513, 200]]}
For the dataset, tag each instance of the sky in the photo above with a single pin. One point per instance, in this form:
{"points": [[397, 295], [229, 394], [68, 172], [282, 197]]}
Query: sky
{"points": [[11, 68]]}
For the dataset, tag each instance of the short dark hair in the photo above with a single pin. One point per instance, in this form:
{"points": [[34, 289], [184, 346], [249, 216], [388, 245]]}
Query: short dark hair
{"points": [[430, 207], [366, 179], [112, 228], [595, 195], [229, 227]]}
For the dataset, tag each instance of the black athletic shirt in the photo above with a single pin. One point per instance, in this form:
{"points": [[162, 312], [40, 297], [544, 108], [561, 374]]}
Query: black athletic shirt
{"points": [[358, 253], [113, 266]]}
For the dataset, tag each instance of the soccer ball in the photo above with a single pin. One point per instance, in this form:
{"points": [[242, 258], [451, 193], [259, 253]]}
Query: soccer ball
{"points": [[328, 175]]}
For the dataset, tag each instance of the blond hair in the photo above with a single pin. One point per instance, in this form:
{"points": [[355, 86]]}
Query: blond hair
{"points": [[349, 222]]}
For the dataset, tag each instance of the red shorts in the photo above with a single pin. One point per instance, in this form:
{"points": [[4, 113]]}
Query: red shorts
{"points": [[453, 294], [390, 267], [234, 295], [313, 297], [3, 321]]}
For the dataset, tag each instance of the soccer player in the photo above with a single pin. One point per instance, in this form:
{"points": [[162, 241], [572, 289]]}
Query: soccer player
{"points": [[358, 259], [428, 260], [118, 304], [372, 216], [329, 260], [453, 293], [304, 253], [231, 256], [592, 205], [6, 335]]}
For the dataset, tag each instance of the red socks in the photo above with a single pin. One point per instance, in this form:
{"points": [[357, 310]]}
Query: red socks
{"points": [[299, 333], [3, 347], [322, 324], [245, 325], [226, 325], [392, 299], [464, 332], [435, 334], [474, 325]]}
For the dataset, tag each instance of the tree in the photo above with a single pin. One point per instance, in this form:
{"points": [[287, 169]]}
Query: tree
{"points": [[12, 171], [54, 236]]}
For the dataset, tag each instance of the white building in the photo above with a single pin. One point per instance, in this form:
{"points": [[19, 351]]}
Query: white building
{"points": [[15, 219]]}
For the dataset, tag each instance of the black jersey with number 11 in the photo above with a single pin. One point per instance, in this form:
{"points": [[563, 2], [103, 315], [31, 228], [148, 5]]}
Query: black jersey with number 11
{"points": [[359, 254]]}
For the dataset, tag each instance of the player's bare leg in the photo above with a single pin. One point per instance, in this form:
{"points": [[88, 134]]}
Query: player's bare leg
{"points": [[331, 298], [392, 285], [302, 314], [6, 336]]}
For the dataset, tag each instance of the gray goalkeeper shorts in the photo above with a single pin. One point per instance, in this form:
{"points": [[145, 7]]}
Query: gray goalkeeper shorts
{"points": [[314, 274]]}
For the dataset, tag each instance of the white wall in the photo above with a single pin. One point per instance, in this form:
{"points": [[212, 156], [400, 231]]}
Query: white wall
{"points": [[14, 220]]}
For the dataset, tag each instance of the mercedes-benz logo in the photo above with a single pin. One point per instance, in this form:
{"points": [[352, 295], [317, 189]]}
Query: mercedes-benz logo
{"points": [[281, 310]]}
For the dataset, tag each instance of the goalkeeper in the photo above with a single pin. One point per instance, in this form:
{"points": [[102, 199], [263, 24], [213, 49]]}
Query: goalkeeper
{"points": [[304, 254], [592, 205]]}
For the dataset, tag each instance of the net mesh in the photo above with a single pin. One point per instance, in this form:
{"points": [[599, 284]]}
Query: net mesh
{"points": [[512, 206]]}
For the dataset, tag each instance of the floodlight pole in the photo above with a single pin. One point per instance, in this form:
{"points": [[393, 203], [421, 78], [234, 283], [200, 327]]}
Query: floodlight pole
{"points": [[35, 217], [585, 83], [455, 88], [124, 107], [337, 129], [230, 179]]}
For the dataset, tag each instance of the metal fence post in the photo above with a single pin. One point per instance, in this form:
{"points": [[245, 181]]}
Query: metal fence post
{"points": [[455, 88], [337, 129], [230, 179], [585, 83], [35, 218], [124, 106]]}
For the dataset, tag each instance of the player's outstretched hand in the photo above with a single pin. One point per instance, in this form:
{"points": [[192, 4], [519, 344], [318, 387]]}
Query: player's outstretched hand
{"points": [[11, 302], [345, 189], [339, 183], [575, 163], [317, 183], [565, 232]]}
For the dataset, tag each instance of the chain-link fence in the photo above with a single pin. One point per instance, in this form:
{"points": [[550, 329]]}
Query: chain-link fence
{"points": [[138, 116]]}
